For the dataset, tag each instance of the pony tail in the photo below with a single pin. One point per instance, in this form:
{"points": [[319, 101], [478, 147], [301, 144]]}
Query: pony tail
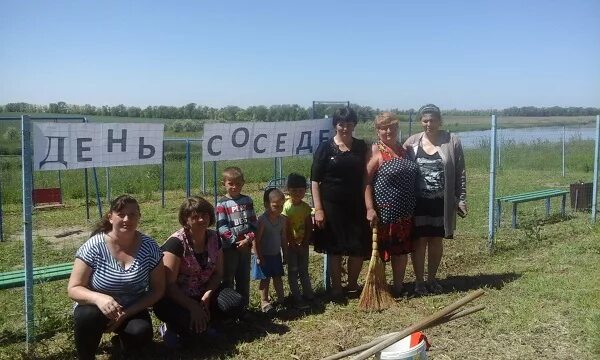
{"points": [[102, 226]]}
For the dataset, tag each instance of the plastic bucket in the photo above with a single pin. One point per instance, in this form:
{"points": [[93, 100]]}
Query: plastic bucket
{"points": [[412, 347]]}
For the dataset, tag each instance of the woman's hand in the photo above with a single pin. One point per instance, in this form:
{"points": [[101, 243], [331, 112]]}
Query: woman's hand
{"points": [[109, 306], [199, 317], [114, 324], [320, 218], [372, 217]]}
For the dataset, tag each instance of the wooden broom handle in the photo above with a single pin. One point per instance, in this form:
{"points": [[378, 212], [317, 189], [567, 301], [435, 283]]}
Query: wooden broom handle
{"points": [[420, 325], [374, 246]]}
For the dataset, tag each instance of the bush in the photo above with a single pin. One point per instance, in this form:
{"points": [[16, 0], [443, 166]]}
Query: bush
{"points": [[12, 134]]}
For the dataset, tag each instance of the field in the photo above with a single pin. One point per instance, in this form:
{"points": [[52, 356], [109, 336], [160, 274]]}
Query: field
{"points": [[542, 284]]}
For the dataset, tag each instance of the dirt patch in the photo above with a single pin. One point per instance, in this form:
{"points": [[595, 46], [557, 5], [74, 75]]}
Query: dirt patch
{"points": [[68, 236]]}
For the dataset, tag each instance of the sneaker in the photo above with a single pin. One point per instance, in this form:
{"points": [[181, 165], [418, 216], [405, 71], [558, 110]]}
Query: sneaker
{"points": [[421, 289], [169, 337]]}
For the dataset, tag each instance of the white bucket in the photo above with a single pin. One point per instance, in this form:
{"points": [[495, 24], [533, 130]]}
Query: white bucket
{"points": [[412, 347]]}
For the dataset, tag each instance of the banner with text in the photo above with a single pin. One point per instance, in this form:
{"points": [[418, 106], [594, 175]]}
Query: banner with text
{"points": [[254, 140], [63, 146]]}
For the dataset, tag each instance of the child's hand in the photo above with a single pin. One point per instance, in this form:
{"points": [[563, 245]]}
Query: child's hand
{"points": [[242, 244]]}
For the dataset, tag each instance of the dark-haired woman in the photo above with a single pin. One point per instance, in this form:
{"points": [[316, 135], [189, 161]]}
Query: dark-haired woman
{"points": [[338, 187], [194, 264], [118, 273], [441, 194]]}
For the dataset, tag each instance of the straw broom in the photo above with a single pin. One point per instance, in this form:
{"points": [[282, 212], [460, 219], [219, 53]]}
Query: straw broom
{"points": [[375, 295]]}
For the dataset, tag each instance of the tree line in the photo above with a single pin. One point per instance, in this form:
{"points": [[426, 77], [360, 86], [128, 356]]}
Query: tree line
{"points": [[269, 113]]}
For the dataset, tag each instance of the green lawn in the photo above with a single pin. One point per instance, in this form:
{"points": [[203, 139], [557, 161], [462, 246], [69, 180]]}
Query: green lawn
{"points": [[542, 282]]}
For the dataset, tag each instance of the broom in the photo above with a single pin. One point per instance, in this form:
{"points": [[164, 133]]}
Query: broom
{"points": [[375, 295]]}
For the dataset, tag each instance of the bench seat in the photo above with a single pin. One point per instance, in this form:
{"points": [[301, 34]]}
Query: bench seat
{"points": [[16, 278], [530, 196]]}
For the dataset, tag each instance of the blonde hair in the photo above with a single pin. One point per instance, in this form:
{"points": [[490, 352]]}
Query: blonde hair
{"points": [[386, 119], [233, 173]]}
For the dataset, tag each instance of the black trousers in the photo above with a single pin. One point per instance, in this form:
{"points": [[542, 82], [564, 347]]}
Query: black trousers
{"points": [[135, 333], [225, 304]]}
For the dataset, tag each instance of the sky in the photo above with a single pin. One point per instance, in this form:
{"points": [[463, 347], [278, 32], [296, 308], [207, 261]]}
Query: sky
{"points": [[477, 54]]}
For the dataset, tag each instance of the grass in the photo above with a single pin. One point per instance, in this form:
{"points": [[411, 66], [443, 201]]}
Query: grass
{"points": [[542, 284]]}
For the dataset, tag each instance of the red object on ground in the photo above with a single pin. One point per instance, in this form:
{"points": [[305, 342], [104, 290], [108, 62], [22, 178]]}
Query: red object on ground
{"points": [[47, 196]]}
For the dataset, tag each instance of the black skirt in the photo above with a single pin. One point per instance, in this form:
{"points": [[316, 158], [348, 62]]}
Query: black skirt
{"points": [[346, 230]]}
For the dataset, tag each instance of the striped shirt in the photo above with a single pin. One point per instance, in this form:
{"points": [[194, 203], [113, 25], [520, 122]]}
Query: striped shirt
{"points": [[235, 219], [126, 286]]}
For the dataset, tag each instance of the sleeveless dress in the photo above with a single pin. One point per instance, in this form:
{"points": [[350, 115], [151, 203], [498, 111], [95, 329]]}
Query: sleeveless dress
{"points": [[429, 213], [394, 187]]}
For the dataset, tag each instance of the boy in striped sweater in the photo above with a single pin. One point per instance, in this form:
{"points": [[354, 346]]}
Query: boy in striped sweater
{"points": [[236, 224]]}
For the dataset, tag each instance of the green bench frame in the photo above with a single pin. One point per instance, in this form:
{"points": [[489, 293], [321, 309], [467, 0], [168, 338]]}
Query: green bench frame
{"points": [[530, 196], [14, 279]]}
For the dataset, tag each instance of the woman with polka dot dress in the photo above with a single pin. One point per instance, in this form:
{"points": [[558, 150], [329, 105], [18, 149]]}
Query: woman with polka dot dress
{"points": [[390, 196]]}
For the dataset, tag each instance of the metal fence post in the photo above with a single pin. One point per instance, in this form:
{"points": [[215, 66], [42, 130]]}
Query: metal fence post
{"points": [[188, 180], [162, 177], [202, 168], [492, 190], [97, 192], [563, 150], [215, 181], [596, 154], [26, 166]]}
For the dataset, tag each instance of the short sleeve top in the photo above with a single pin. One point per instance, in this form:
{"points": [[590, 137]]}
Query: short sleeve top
{"points": [[126, 286], [297, 215], [340, 173]]}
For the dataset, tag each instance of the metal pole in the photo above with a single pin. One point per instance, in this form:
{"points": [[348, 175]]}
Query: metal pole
{"points": [[26, 165], [87, 193], [563, 151], [107, 185], [60, 186], [280, 167], [202, 167], [188, 180], [1, 221], [410, 123], [162, 176], [97, 188], [491, 208], [596, 154], [215, 181], [86, 188], [274, 168]]}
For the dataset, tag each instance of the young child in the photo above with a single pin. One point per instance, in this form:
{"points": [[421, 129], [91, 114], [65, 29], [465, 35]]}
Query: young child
{"points": [[270, 242], [236, 224], [300, 223]]}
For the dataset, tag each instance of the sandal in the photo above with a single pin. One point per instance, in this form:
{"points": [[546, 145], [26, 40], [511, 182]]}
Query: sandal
{"points": [[267, 308]]}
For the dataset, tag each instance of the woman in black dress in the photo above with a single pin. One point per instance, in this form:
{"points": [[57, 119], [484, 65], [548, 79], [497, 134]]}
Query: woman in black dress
{"points": [[337, 176]]}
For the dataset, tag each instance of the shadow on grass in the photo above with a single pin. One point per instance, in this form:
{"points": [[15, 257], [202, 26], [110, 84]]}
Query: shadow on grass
{"points": [[224, 344], [474, 282], [8, 337]]}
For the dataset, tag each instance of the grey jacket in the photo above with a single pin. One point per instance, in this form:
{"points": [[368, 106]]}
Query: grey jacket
{"points": [[455, 176]]}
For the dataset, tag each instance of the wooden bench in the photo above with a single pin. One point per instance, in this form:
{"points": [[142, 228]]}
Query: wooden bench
{"points": [[14, 279], [530, 196], [47, 198]]}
